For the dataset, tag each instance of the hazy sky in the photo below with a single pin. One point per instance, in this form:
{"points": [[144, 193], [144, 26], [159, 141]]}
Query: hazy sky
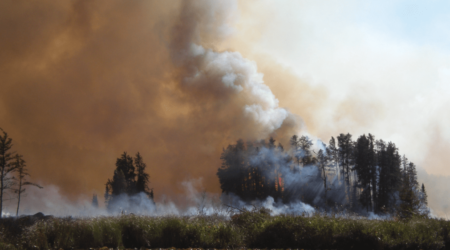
{"points": [[385, 63], [177, 81]]}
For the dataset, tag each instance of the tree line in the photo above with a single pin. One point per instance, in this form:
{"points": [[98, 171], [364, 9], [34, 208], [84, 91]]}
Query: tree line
{"points": [[13, 173], [365, 175], [129, 179]]}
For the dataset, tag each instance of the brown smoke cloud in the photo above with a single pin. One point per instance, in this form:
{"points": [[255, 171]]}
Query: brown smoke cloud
{"points": [[83, 81]]}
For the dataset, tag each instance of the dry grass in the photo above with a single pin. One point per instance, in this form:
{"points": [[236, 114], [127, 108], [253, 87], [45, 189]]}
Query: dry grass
{"points": [[250, 229]]}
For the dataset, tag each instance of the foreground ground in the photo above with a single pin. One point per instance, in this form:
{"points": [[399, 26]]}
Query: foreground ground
{"points": [[248, 229]]}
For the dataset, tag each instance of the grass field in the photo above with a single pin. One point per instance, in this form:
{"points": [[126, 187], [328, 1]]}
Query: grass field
{"points": [[248, 229]]}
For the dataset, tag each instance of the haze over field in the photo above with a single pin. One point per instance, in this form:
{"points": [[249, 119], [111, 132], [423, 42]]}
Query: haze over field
{"points": [[83, 81]]}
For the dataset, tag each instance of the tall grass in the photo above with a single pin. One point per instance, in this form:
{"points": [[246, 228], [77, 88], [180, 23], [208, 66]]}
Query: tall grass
{"points": [[251, 229]]}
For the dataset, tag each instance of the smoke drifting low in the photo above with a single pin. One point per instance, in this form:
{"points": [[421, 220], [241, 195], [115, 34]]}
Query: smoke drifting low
{"points": [[81, 82]]}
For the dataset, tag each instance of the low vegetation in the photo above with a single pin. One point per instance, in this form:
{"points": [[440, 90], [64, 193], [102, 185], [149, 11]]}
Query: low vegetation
{"points": [[249, 229]]}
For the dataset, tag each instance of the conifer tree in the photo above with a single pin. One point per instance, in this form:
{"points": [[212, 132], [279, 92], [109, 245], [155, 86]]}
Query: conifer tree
{"points": [[409, 202], [231, 174], [295, 144], [22, 173], [332, 153], [143, 179], [346, 161], [363, 168], [125, 165], [323, 163], [389, 162], [5, 166], [424, 197], [305, 150]]}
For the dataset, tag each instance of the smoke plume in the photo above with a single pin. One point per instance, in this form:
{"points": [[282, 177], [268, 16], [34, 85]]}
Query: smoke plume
{"points": [[83, 82]]}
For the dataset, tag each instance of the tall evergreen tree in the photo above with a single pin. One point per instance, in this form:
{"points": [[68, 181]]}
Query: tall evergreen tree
{"points": [[305, 150], [409, 202], [22, 173], [373, 170], [412, 174], [125, 165], [346, 158], [231, 174], [389, 162], [332, 152], [323, 163], [143, 179], [363, 168], [5, 166], [424, 198], [295, 144]]}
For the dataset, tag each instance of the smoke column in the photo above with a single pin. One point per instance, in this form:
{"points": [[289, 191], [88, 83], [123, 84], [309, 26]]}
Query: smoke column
{"points": [[83, 82]]}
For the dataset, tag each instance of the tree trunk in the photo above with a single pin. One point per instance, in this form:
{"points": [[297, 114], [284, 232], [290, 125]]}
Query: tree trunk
{"points": [[18, 201], [1, 191]]}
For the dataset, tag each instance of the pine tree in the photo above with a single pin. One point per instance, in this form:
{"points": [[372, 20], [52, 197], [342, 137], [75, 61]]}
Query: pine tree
{"points": [[363, 170], [412, 174], [423, 201], [345, 152], [409, 202], [389, 162], [323, 163], [295, 149], [22, 173], [305, 151], [332, 152], [231, 174], [125, 165], [424, 197], [5, 166], [143, 179], [373, 170]]}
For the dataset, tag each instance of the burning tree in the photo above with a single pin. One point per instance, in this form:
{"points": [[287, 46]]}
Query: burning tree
{"points": [[362, 176]]}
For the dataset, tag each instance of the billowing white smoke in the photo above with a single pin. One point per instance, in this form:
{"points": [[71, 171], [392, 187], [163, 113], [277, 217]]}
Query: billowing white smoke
{"points": [[303, 183], [196, 202], [237, 76], [227, 77]]}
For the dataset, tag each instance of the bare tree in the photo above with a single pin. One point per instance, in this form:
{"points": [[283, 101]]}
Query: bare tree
{"points": [[22, 173]]}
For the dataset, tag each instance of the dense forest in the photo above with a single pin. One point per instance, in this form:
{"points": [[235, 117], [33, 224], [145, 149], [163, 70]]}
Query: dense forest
{"points": [[362, 176]]}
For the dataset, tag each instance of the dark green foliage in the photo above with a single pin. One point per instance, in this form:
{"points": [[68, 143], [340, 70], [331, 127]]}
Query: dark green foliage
{"points": [[389, 176], [129, 179], [365, 168], [346, 160], [409, 201], [125, 165], [302, 150], [143, 179], [424, 196]]}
